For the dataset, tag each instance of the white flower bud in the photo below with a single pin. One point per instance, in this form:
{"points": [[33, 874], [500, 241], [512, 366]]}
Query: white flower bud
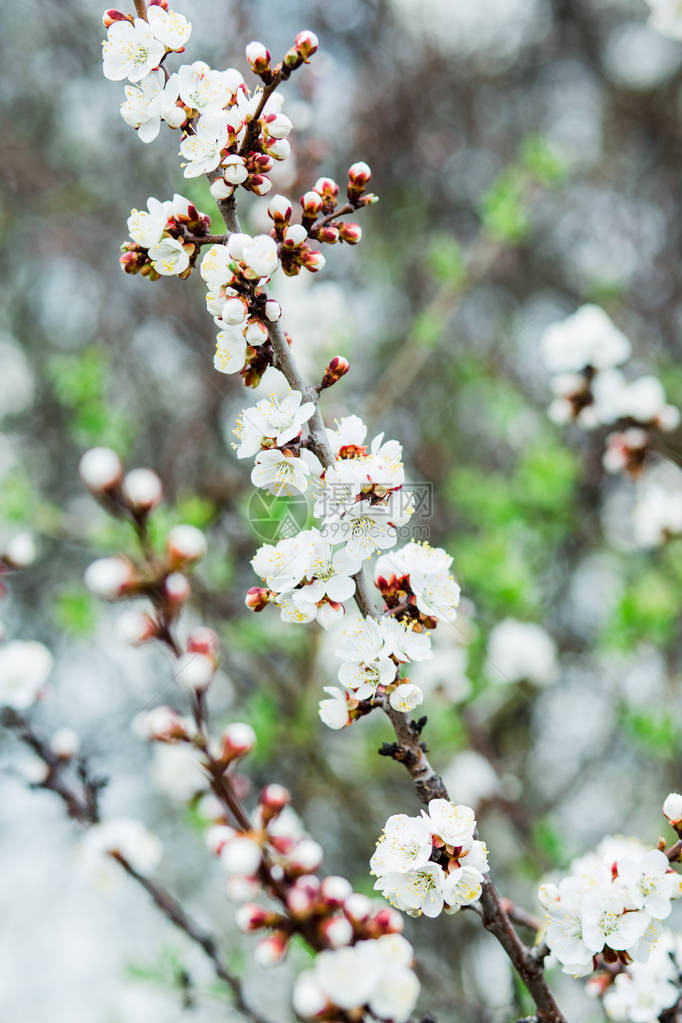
{"points": [[273, 310], [142, 489], [194, 672], [307, 856], [257, 53], [239, 889], [406, 697], [278, 126], [100, 469], [308, 998], [295, 235], [360, 172], [338, 931], [672, 807], [108, 577], [270, 950], [279, 207], [235, 311], [357, 907], [177, 587], [21, 550], [186, 544], [65, 743], [279, 149], [239, 739], [256, 333], [241, 857], [234, 170], [218, 836], [220, 189], [335, 890], [135, 627]]}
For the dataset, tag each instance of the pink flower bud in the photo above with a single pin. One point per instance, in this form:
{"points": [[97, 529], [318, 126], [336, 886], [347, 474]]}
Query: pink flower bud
{"points": [[337, 930], [274, 798], [161, 724], [239, 739], [112, 15], [203, 640], [335, 890], [303, 895], [359, 174], [326, 187], [311, 203], [250, 918], [338, 367], [110, 578], [313, 261], [259, 184], [258, 57], [194, 672], [273, 310], [185, 545], [350, 233], [258, 597], [386, 921], [306, 43], [100, 469], [65, 743], [272, 949], [142, 489]]}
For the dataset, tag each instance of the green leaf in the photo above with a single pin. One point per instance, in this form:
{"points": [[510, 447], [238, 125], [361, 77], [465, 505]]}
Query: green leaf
{"points": [[76, 611]]}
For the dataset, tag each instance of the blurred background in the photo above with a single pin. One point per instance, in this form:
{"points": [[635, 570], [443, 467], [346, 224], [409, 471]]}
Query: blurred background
{"points": [[527, 157]]}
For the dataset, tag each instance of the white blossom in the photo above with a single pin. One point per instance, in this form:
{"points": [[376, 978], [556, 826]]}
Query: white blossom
{"points": [[405, 844], [203, 149], [284, 474], [230, 351], [146, 227], [333, 711], [454, 825], [130, 51], [366, 664], [24, 668], [203, 89], [151, 101], [521, 651], [172, 29], [129, 838], [587, 338], [169, 257], [280, 419], [405, 697], [415, 891], [260, 255]]}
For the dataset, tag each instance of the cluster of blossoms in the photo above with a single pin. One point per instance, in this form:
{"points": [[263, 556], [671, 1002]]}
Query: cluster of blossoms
{"points": [[645, 990], [164, 578], [582, 352], [609, 909], [160, 245], [432, 862]]}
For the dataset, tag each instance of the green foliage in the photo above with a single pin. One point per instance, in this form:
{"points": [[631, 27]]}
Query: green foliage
{"points": [[80, 383], [76, 611], [503, 210], [546, 477], [427, 328], [22, 505], [541, 161], [446, 260], [655, 732], [648, 610], [548, 840]]}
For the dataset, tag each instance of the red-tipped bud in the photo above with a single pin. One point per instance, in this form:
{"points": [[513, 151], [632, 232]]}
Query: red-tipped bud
{"points": [[136, 627], [326, 187], [337, 368], [258, 597], [386, 921], [161, 724], [279, 210], [110, 578], [250, 918], [350, 233], [259, 184], [142, 490], [272, 949], [185, 546], [65, 743], [357, 908], [194, 672], [112, 15], [334, 890], [295, 236], [337, 931], [258, 57], [203, 640], [272, 800], [305, 857], [303, 895], [328, 234], [306, 43], [359, 174], [273, 310], [313, 261], [100, 470], [176, 589], [311, 203], [238, 740], [218, 836]]}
